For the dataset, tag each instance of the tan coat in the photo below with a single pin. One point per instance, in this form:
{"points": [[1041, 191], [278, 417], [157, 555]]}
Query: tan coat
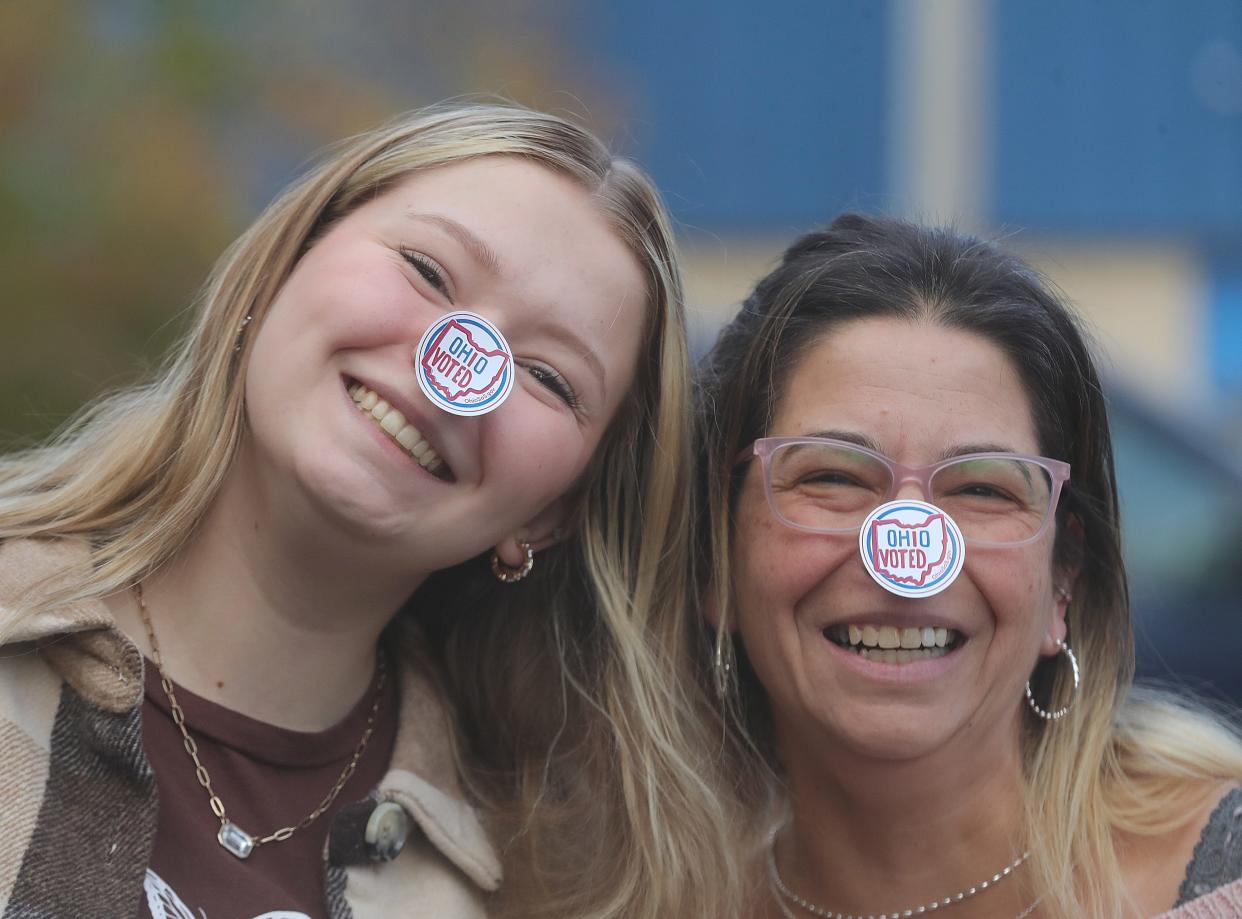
{"points": [[77, 795]]}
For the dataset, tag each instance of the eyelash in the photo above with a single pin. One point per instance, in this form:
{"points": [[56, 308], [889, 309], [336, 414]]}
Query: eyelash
{"points": [[428, 269], [554, 381], [546, 376]]}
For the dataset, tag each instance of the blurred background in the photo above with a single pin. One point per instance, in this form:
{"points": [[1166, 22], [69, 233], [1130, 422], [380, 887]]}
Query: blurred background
{"points": [[1100, 138]]}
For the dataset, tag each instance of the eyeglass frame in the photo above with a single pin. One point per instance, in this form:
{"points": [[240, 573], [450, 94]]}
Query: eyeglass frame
{"points": [[900, 474]]}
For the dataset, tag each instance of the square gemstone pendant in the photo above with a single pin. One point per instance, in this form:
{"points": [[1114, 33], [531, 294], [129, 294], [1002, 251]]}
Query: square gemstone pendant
{"points": [[235, 839]]}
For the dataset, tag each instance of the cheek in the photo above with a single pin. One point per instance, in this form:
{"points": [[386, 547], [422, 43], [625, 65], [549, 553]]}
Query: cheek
{"points": [[540, 453], [778, 569], [338, 303], [1015, 583]]}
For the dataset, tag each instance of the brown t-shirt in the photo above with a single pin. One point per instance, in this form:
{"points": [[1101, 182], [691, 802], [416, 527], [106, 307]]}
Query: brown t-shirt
{"points": [[268, 777]]}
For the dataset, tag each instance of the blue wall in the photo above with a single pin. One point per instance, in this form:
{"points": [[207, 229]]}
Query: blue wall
{"points": [[751, 115], [1118, 115]]}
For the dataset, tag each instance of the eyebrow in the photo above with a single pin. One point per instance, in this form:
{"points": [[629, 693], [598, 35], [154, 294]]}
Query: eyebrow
{"points": [[480, 251], [850, 437], [964, 449], [486, 256], [862, 440]]}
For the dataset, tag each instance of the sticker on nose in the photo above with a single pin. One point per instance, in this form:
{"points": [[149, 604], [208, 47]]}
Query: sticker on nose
{"points": [[464, 365], [911, 548]]}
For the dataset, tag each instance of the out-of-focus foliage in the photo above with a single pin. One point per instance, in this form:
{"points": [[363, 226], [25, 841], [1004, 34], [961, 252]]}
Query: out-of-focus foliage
{"points": [[138, 138]]}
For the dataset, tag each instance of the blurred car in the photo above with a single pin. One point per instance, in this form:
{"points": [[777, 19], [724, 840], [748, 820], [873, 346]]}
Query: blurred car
{"points": [[1181, 512]]}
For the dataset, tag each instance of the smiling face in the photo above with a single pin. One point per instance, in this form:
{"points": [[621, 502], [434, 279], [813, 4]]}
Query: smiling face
{"points": [[917, 392], [338, 425]]}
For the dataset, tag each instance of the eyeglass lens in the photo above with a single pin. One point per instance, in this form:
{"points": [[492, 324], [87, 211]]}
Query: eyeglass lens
{"points": [[831, 487]]}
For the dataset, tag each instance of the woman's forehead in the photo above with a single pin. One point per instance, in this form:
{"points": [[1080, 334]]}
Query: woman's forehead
{"points": [[906, 384]]}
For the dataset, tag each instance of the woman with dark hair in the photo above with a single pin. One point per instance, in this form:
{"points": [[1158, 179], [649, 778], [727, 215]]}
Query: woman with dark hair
{"points": [[922, 631]]}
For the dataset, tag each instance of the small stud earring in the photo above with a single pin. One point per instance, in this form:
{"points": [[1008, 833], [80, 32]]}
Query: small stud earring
{"points": [[241, 332]]}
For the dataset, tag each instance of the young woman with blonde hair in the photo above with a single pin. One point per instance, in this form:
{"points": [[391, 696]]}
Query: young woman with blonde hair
{"points": [[256, 660], [919, 603]]}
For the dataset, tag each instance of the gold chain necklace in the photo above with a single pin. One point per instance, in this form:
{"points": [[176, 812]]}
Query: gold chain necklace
{"points": [[233, 838]]}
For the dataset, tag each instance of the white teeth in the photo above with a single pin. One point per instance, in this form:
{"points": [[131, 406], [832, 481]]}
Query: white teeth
{"points": [[890, 638], [393, 423], [408, 437]]}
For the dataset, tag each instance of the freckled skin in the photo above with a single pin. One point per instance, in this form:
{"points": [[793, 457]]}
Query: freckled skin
{"points": [[916, 390]]}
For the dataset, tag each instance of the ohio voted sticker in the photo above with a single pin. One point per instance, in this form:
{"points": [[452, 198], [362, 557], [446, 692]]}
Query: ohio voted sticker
{"points": [[464, 365], [911, 548]]}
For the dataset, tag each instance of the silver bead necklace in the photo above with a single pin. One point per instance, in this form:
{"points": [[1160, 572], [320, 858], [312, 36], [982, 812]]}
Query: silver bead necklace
{"points": [[788, 915], [779, 885]]}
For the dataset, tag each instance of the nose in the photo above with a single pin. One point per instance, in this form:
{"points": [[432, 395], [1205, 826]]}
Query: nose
{"points": [[911, 487], [464, 365]]}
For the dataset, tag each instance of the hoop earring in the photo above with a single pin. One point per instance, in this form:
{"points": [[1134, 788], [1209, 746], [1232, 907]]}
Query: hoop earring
{"points": [[507, 575], [721, 670], [1060, 712]]}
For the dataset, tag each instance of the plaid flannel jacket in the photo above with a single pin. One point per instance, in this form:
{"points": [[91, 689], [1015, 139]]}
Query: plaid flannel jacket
{"points": [[78, 800]]}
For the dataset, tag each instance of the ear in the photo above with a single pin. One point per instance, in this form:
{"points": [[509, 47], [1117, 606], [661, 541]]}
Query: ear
{"points": [[1056, 628], [1064, 578], [549, 527]]}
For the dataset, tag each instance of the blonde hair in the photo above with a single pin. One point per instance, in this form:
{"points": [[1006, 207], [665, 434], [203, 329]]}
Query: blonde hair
{"points": [[1122, 760], [575, 728]]}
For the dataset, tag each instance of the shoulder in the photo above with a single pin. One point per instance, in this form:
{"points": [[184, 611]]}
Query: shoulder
{"points": [[1158, 867], [75, 642], [1217, 857], [425, 778], [444, 861], [27, 565]]}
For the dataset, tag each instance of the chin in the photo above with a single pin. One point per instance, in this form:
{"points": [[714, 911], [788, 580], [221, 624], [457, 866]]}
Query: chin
{"points": [[887, 733], [349, 499], [892, 745]]}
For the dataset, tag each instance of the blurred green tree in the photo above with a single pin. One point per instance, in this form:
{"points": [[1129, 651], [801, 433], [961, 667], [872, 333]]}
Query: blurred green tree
{"points": [[137, 138]]}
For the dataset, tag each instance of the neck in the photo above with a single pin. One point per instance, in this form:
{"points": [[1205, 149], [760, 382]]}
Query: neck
{"points": [[870, 836], [274, 617]]}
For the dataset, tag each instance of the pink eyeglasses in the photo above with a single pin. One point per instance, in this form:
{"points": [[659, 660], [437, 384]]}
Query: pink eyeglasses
{"points": [[830, 486]]}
